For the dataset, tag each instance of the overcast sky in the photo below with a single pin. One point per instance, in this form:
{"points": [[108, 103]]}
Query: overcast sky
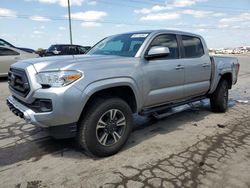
{"points": [[40, 23]]}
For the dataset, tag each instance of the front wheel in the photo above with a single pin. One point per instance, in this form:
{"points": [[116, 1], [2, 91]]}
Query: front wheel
{"points": [[105, 127], [219, 99]]}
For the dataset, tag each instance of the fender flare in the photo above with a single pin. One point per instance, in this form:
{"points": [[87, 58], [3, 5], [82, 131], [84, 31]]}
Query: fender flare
{"points": [[217, 80], [99, 85]]}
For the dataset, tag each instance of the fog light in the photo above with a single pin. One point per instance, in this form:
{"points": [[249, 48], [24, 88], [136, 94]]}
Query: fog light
{"points": [[45, 105], [41, 105]]}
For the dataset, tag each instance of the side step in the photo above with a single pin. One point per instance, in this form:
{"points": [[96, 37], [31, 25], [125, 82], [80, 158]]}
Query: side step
{"points": [[169, 109], [169, 112]]}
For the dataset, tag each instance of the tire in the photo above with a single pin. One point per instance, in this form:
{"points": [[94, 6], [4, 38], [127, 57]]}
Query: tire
{"points": [[219, 99], [110, 116]]}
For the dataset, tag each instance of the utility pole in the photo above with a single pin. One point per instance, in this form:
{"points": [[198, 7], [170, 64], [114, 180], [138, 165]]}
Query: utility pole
{"points": [[70, 31]]}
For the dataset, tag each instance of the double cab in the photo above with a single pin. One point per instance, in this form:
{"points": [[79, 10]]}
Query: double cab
{"points": [[92, 97]]}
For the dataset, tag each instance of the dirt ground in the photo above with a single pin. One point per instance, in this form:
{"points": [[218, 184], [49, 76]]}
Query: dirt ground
{"points": [[194, 148]]}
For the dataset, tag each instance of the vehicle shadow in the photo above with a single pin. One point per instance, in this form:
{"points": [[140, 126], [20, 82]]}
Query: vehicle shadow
{"points": [[33, 147]]}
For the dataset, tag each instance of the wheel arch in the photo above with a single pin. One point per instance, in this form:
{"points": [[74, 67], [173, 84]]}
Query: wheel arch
{"points": [[226, 76], [124, 88]]}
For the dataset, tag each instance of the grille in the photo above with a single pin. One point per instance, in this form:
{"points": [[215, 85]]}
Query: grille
{"points": [[18, 82]]}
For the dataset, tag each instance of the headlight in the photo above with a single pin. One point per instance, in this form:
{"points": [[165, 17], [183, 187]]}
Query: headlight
{"points": [[58, 78]]}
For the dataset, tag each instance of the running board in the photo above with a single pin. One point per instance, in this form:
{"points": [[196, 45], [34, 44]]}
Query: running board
{"points": [[167, 108], [170, 112]]}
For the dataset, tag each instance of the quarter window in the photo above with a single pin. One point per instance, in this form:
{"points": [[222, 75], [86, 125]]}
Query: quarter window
{"points": [[192, 47], [169, 41], [7, 52]]}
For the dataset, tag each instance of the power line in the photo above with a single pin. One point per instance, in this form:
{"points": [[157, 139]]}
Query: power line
{"points": [[128, 23], [150, 2], [120, 4]]}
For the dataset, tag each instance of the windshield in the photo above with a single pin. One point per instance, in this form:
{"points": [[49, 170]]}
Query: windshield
{"points": [[122, 45]]}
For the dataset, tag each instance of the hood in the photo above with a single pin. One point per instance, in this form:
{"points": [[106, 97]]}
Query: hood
{"points": [[79, 62]]}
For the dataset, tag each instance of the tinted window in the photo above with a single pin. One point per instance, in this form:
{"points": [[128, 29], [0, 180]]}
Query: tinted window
{"points": [[6, 52], [2, 43], [62, 50], [54, 50], [169, 41], [192, 47], [70, 50]]}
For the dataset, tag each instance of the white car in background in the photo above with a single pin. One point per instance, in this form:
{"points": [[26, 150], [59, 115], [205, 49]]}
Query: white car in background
{"points": [[9, 55]]}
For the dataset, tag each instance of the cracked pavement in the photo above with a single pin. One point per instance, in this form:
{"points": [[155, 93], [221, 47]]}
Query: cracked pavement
{"points": [[188, 167], [193, 148]]}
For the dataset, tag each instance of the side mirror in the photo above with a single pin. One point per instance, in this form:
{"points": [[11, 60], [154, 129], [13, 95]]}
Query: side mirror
{"points": [[157, 52]]}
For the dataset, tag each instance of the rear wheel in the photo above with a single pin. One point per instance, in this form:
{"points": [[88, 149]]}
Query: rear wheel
{"points": [[105, 127], [219, 99]]}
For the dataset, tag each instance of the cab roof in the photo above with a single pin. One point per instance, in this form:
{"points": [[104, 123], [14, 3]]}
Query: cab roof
{"points": [[163, 30]]}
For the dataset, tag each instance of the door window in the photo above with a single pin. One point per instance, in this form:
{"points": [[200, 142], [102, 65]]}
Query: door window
{"points": [[192, 47], [7, 52], [167, 40]]}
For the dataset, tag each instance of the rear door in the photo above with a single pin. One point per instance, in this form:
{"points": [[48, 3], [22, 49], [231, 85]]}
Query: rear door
{"points": [[7, 57], [163, 77], [197, 66]]}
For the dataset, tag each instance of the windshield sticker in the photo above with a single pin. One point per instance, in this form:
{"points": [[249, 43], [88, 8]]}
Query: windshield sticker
{"points": [[143, 35]]}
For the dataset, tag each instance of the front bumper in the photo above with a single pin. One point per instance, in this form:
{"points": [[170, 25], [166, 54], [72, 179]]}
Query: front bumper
{"points": [[58, 132], [22, 111], [67, 105]]}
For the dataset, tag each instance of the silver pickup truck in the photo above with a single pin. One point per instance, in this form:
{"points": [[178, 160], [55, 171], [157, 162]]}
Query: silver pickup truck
{"points": [[92, 97]]}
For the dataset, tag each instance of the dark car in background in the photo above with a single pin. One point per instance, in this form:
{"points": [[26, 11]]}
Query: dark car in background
{"points": [[5, 43], [66, 49]]}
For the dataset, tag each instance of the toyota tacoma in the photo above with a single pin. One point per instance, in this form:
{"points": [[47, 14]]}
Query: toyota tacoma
{"points": [[92, 97]]}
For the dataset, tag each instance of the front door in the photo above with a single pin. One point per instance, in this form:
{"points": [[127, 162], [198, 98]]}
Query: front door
{"points": [[163, 77]]}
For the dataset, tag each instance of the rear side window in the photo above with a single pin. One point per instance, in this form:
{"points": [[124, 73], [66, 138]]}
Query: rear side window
{"points": [[7, 52], [192, 47], [167, 40]]}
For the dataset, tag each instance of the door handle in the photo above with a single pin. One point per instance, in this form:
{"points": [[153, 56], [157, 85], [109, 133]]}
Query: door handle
{"points": [[205, 65], [179, 67]]}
